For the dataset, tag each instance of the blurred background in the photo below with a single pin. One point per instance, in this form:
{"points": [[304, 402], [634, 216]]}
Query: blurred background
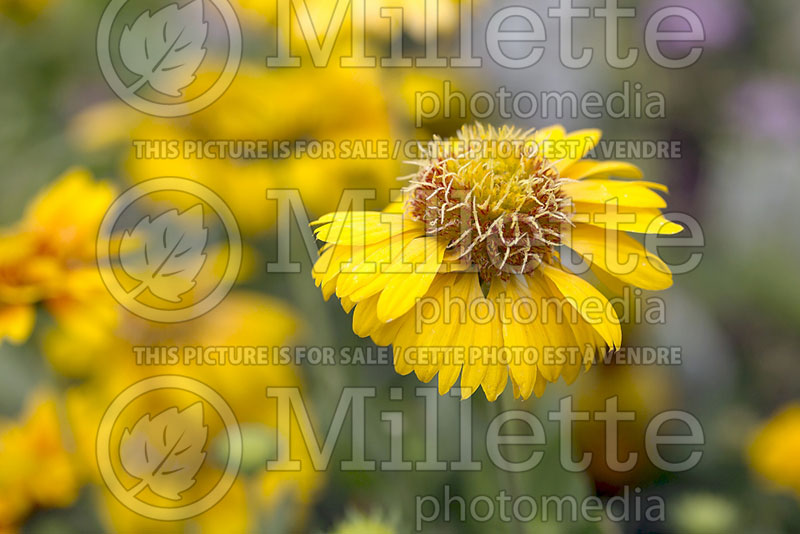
{"points": [[66, 152]]}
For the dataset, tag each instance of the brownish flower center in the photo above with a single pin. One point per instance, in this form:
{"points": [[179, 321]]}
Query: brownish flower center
{"points": [[501, 214]]}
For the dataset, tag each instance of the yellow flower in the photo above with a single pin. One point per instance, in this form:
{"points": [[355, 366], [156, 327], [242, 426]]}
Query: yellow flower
{"points": [[48, 257], [237, 323], [465, 275], [35, 467], [265, 112], [773, 452], [23, 11], [376, 23]]}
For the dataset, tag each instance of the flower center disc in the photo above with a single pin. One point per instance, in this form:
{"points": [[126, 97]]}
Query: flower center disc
{"points": [[494, 197]]}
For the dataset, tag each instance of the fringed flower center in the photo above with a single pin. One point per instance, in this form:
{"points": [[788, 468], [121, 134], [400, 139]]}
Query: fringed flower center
{"points": [[494, 197]]}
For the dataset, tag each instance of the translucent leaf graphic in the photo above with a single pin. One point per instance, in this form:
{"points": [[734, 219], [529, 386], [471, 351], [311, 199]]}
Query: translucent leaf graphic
{"points": [[166, 254], [165, 452], [165, 48]]}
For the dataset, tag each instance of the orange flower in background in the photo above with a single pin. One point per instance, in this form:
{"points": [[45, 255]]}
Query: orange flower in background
{"points": [[48, 257], [465, 276], [36, 469]]}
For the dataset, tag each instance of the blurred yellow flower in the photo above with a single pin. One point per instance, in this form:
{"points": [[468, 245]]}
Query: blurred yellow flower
{"points": [[241, 320], [35, 467], [480, 231], [773, 451], [376, 23], [48, 257], [261, 106], [22, 11]]}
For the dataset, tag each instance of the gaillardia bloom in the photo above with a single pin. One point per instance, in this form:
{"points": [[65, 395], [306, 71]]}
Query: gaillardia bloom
{"points": [[472, 274]]}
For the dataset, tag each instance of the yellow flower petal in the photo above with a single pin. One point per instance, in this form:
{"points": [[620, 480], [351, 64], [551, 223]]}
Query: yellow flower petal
{"points": [[518, 334], [387, 333], [539, 386], [366, 323], [586, 340], [372, 264], [575, 145], [347, 304], [633, 194], [16, 322], [484, 339], [329, 288], [395, 207], [637, 220], [409, 339], [621, 256], [422, 257], [555, 326], [445, 331], [578, 292], [365, 318], [601, 169], [329, 264], [550, 134], [363, 227], [495, 381]]}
